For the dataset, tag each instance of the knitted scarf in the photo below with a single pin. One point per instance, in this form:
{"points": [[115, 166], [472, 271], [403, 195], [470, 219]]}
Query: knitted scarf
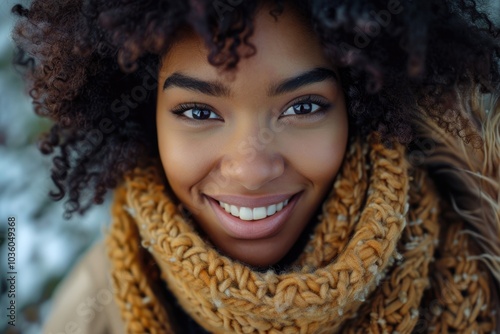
{"points": [[383, 258]]}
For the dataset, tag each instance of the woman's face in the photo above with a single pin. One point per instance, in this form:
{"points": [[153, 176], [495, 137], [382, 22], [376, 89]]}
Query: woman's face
{"points": [[252, 155]]}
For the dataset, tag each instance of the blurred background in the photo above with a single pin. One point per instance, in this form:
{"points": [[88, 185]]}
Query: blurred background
{"points": [[47, 246]]}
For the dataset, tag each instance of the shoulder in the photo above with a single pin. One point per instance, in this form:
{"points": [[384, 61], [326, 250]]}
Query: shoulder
{"points": [[84, 301]]}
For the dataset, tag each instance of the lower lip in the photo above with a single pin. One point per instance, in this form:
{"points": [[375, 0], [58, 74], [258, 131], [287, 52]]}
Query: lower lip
{"points": [[253, 229]]}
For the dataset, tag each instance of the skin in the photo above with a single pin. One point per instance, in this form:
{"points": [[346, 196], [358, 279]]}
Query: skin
{"points": [[254, 145]]}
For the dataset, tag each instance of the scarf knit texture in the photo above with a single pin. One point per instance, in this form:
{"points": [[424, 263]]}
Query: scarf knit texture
{"points": [[385, 257]]}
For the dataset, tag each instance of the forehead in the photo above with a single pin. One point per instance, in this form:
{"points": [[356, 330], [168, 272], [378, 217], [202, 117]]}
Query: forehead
{"points": [[283, 45]]}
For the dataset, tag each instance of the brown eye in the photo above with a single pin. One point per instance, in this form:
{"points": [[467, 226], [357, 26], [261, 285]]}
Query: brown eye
{"points": [[302, 108], [196, 112], [200, 113]]}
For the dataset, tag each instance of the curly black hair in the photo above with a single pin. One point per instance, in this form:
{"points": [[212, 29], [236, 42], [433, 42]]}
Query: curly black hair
{"points": [[91, 67]]}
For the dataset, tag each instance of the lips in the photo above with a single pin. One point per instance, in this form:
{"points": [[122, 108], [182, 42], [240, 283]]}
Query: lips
{"points": [[241, 223]]}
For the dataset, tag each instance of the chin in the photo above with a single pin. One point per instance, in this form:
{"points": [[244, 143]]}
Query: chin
{"points": [[255, 253]]}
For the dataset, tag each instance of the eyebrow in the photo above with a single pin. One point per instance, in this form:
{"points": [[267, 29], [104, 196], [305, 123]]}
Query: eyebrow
{"points": [[216, 88], [213, 88], [315, 75]]}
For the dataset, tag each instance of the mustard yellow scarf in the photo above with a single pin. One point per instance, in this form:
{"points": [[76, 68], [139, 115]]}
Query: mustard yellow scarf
{"points": [[382, 259]]}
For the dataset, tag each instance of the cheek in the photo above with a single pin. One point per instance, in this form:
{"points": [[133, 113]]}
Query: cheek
{"points": [[320, 161], [318, 154], [186, 159]]}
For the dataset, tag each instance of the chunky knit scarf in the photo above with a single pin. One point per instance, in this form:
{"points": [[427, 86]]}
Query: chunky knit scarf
{"points": [[383, 258]]}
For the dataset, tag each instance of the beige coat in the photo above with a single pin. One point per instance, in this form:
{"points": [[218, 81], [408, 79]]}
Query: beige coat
{"points": [[84, 301]]}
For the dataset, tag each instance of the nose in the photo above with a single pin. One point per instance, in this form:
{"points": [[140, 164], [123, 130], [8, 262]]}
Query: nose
{"points": [[252, 161]]}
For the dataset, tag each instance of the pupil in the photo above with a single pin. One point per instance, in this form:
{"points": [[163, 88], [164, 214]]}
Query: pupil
{"points": [[303, 108], [201, 114]]}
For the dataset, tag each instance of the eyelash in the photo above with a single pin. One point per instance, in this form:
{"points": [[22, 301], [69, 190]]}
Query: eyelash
{"points": [[320, 102], [182, 108]]}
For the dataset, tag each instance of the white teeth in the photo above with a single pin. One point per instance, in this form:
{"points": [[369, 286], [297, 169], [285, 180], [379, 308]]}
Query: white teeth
{"points": [[235, 211], [245, 213], [271, 210], [259, 213]]}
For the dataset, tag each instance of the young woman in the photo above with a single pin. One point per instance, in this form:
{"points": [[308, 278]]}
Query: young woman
{"points": [[278, 166]]}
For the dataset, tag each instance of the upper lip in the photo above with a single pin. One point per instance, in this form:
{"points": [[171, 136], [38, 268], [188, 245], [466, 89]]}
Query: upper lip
{"points": [[252, 201]]}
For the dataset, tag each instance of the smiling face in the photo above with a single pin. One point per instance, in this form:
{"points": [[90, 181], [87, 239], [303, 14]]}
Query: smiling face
{"points": [[252, 156]]}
